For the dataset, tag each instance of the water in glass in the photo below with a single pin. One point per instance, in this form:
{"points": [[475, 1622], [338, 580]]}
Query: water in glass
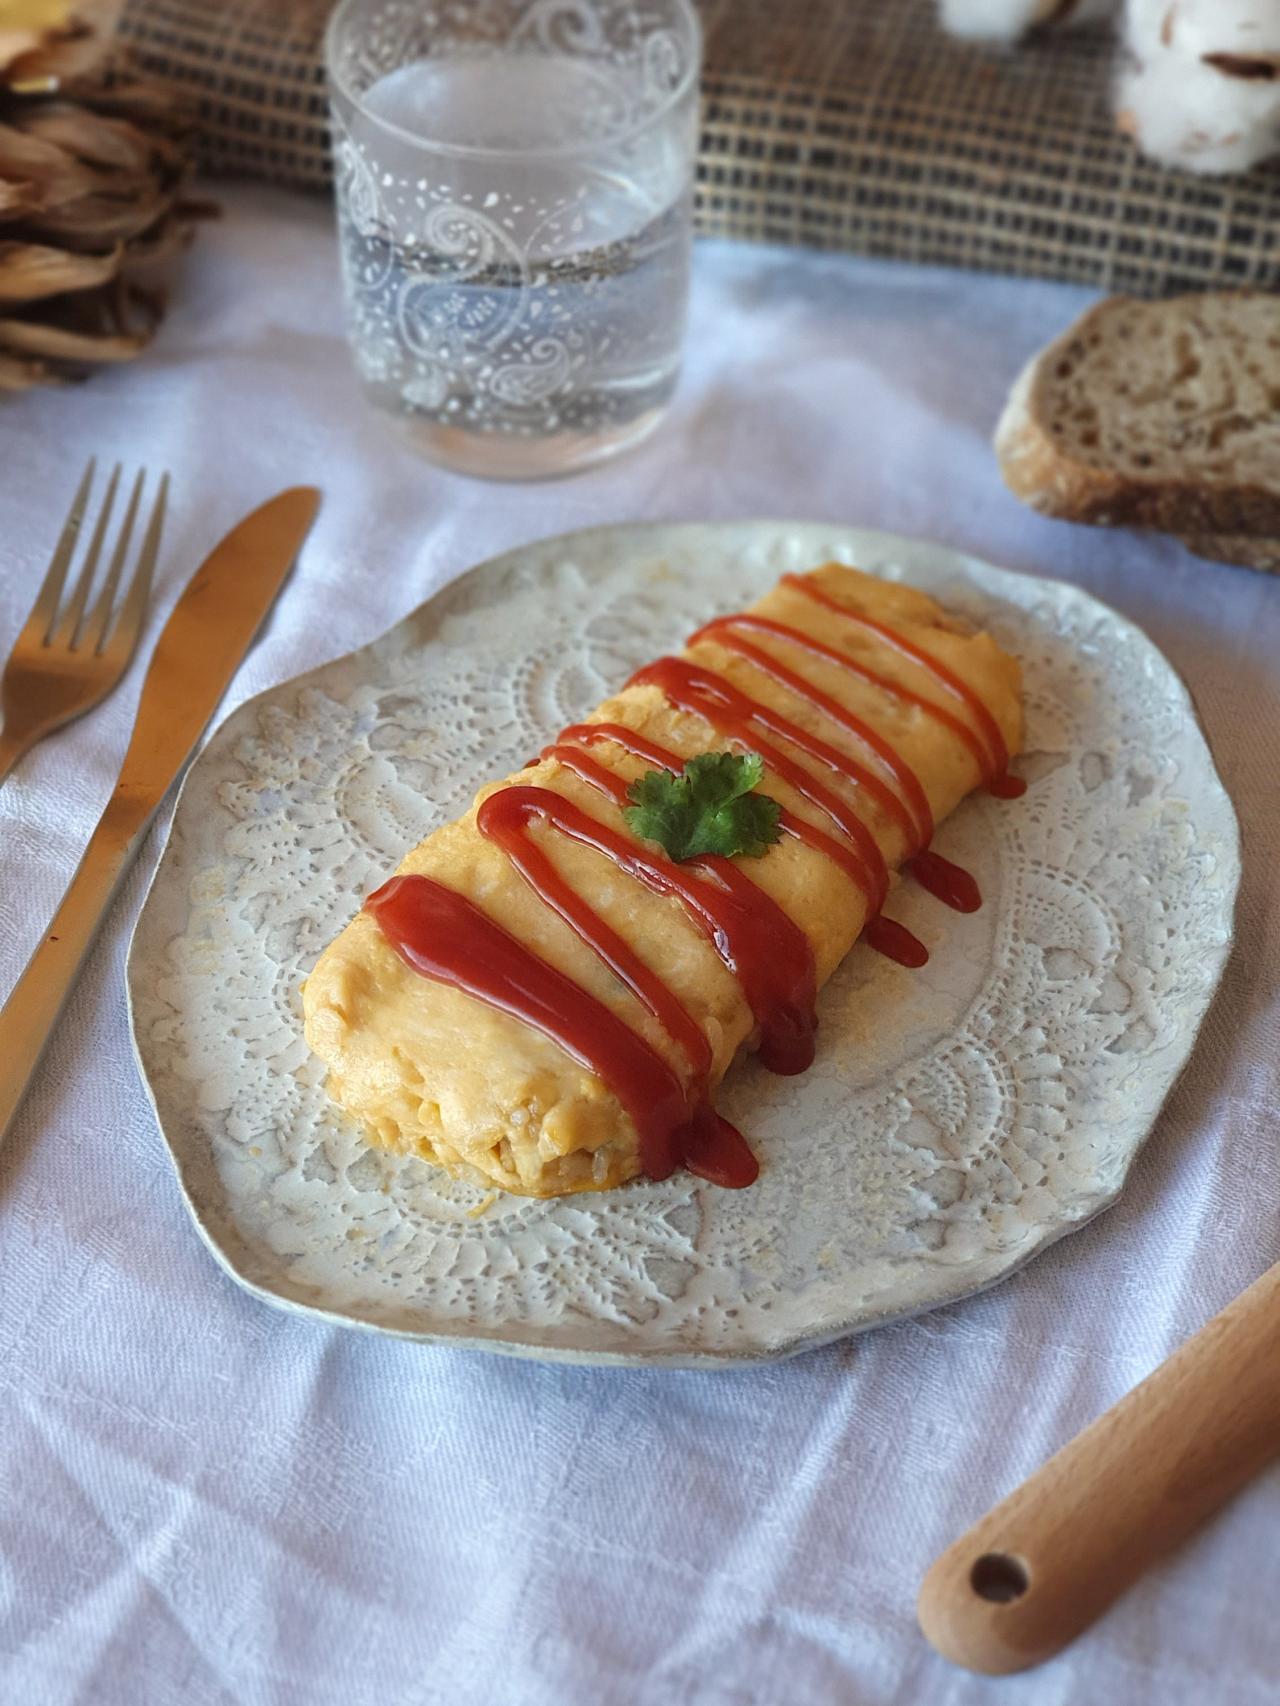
{"points": [[516, 295]]}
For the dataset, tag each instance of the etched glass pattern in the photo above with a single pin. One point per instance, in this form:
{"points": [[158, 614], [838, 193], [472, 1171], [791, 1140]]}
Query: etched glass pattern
{"points": [[514, 183]]}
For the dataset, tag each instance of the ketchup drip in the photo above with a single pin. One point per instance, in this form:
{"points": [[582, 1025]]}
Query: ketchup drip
{"points": [[895, 942], [951, 884], [769, 955], [440, 934]]}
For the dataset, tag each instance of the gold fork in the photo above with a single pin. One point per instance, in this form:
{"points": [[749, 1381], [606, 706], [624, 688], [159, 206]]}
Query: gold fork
{"points": [[63, 662]]}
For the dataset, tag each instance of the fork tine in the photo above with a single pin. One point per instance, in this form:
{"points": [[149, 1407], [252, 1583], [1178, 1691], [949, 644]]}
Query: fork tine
{"points": [[124, 636], [39, 624], [69, 623], [96, 627]]}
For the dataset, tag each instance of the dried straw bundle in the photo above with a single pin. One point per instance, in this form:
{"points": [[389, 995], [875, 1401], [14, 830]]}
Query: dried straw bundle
{"points": [[93, 165]]}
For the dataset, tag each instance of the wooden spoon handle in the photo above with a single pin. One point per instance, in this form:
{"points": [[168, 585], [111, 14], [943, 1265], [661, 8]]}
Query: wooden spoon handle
{"points": [[1048, 1560]]}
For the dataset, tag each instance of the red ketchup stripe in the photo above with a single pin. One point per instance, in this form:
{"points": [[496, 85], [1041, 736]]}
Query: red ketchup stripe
{"points": [[898, 944], [692, 687], [588, 770], [638, 745], [759, 944], [662, 758], [770, 955], [996, 762], [503, 818], [911, 812], [441, 935], [894, 690]]}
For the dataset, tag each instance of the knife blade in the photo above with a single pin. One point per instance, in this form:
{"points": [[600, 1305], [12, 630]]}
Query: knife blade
{"points": [[200, 647]]}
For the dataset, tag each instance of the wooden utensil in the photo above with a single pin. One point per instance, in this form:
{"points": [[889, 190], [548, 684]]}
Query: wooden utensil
{"points": [[1045, 1563]]}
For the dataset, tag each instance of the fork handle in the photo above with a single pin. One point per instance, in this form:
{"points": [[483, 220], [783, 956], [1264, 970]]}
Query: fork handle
{"points": [[30, 1013]]}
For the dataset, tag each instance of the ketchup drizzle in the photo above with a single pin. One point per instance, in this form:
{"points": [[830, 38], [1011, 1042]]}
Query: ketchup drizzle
{"points": [[768, 953], [914, 817], [446, 937], [995, 762], [443, 936], [693, 687], [661, 758]]}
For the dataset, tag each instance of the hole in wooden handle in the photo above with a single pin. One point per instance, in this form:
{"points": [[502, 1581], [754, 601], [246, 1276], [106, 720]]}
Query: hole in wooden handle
{"points": [[999, 1577]]}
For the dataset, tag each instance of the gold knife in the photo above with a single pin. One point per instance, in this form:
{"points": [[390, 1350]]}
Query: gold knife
{"points": [[208, 632]]}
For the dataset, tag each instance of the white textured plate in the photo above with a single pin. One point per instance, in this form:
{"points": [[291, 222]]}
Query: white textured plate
{"points": [[957, 1119]]}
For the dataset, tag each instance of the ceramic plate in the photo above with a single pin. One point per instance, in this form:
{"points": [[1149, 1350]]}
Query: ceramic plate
{"points": [[957, 1120]]}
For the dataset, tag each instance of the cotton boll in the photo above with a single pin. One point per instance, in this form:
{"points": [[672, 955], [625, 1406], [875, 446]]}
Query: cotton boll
{"points": [[1192, 116], [1089, 11], [1007, 20], [1199, 90], [1241, 29], [994, 20], [1200, 86]]}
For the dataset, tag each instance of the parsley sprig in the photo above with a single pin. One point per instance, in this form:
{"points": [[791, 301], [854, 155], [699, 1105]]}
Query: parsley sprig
{"points": [[708, 808]]}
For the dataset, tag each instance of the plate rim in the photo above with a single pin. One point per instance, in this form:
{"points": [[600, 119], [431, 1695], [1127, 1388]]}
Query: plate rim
{"points": [[977, 1279]]}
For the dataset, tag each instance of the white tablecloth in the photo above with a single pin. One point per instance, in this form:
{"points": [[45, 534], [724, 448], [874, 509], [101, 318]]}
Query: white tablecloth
{"points": [[203, 1500]]}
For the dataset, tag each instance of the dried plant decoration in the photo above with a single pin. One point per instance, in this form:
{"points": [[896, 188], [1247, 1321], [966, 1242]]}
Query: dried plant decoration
{"points": [[94, 165]]}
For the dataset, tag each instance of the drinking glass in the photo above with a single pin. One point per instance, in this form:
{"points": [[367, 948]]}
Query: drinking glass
{"points": [[514, 185]]}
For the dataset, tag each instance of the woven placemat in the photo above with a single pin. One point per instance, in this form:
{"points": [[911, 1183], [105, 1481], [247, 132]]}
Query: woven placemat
{"points": [[842, 124]]}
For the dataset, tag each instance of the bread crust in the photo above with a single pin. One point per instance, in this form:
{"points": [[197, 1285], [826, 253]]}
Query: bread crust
{"points": [[1240, 549], [1042, 471]]}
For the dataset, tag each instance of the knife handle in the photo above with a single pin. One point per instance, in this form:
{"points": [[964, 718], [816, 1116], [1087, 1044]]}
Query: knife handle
{"points": [[1038, 1569], [32, 1010]]}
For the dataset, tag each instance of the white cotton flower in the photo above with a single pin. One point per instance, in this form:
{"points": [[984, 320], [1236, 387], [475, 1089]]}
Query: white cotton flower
{"points": [[1200, 87], [1007, 20], [993, 20], [1199, 83], [1199, 27]]}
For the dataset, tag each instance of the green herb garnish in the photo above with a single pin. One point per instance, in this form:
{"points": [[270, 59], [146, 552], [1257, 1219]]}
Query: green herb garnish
{"points": [[708, 808]]}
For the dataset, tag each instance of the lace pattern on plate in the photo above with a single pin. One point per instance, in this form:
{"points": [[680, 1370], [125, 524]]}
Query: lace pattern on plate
{"points": [[956, 1120]]}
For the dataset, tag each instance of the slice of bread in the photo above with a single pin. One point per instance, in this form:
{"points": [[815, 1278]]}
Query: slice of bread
{"points": [[1238, 548], [1157, 414]]}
